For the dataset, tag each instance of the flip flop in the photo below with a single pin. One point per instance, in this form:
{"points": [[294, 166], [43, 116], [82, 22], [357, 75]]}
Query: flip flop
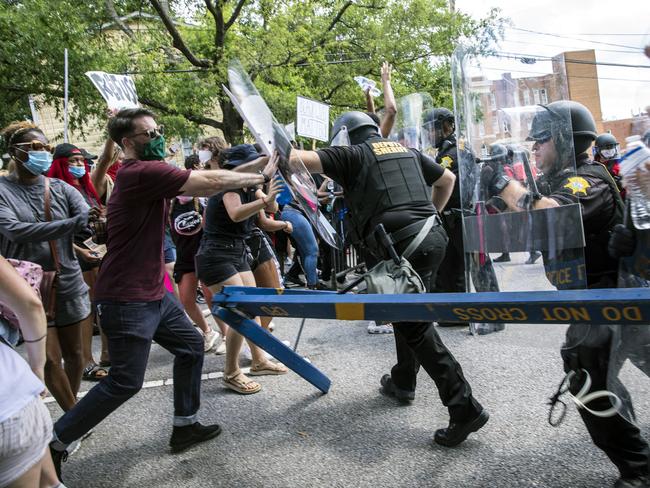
{"points": [[265, 370], [237, 382], [94, 372]]}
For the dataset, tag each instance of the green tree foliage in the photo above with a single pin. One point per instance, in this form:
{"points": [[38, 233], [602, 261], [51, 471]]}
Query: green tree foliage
{"points": [[178, 52]]}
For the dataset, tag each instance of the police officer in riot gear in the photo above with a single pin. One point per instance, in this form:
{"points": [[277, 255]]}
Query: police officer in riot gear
{"points": [[606, 152], [587, 349], [386, 183], [440, 128]]}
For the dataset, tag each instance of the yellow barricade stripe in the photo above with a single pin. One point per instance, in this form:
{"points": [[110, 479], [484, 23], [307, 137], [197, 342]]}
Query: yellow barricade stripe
{"points": [[350, 311]]}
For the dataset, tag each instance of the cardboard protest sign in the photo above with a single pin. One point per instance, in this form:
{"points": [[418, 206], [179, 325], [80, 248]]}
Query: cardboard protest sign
{"points": [[118, 90], [313, 119]]}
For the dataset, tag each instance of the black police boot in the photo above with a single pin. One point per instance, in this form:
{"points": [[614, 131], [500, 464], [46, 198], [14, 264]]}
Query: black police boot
{"points": [[504, 258], [388, 388], [58, 457], [641, 481], [188, 435], [458, 432]]}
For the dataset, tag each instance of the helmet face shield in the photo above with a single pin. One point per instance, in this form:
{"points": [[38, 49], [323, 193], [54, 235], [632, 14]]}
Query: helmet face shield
{"points": [[341, 138]]}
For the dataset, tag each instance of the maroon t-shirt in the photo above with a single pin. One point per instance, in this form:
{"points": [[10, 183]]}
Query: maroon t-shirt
{"points": [[133, 268]]}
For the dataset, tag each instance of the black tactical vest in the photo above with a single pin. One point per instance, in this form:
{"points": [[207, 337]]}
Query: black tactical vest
{"points": [[390, 177]]}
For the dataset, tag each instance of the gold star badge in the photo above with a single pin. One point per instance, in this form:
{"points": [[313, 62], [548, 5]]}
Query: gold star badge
{"points": [[577, 184], [447, 162]]}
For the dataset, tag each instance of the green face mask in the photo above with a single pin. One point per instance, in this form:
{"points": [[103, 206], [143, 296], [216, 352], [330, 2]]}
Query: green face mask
{"points": [[154, 150]]}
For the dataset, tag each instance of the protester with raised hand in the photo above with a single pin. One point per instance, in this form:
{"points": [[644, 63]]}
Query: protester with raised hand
{"points": [[222, 260], [390, 107], [130, 293], [25, 422], [39, 218]]}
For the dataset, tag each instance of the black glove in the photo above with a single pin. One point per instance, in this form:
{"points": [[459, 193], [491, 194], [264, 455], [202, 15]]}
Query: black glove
{"points": [[622, 242], [493, 180]]}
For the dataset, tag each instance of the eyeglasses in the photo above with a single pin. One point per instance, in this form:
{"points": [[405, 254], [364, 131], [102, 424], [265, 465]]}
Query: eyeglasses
{"points": [[151, 133], [35, 146]]}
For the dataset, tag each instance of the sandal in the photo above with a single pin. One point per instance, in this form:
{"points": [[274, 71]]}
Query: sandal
{"points": [[240, 383], [94, 372], [268, 368]]}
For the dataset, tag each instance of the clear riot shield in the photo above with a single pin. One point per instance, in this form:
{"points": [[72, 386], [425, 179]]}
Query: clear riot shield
{"points": [[629, 362], [502, 115], [407, 129], [272, 136]]}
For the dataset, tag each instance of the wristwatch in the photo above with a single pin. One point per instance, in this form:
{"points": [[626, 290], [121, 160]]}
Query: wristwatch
{"points": [[266, 177]]}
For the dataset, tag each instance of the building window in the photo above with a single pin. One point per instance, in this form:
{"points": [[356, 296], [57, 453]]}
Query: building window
{"points": [[536, 96], [493, 101], [495, 125], [543, 96], [526, 97]]}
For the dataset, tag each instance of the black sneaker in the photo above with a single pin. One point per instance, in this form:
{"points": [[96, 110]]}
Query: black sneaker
{"points": [[388, 388], [534, 256], [58, 457], [641, 481], [188, 435], [504, 258], [457, 433]]}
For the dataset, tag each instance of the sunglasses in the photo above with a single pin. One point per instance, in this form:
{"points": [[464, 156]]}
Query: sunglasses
{"points": [[151, 133], [35, 146]]}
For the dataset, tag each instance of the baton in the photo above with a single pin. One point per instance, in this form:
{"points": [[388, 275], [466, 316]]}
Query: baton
{"points": [[532, 184]]}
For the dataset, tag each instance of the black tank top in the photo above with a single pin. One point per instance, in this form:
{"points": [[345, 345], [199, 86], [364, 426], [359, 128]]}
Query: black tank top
{"points": [[219, 224]]}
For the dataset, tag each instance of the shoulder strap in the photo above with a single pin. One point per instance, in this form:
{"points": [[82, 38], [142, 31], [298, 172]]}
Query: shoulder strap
{"points": [[415, 243], [48, 218]]}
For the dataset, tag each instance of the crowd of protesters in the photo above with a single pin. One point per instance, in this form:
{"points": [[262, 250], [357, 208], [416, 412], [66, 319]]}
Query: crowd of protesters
{"points": [[133, 246]]}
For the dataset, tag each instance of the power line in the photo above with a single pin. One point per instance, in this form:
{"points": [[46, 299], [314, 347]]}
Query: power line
{"points": [[565, 47], [574, 38], [520, 56]]}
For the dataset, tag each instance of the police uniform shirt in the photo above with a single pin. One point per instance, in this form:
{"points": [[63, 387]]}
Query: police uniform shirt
{"points": [[343, 164], [594, 195]]}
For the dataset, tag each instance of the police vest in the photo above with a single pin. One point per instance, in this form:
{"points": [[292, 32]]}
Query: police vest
{"points": [[390, 177]]}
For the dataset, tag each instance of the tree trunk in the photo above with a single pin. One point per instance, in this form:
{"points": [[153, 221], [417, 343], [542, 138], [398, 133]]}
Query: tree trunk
{"points": [[233, 125]]}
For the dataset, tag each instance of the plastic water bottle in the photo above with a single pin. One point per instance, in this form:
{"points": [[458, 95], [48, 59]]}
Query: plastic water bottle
{"points": [[633, 161], [366, 83]]}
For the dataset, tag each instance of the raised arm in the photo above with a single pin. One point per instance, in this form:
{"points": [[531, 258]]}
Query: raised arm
{"points": [[390, 107], [238, 211]]}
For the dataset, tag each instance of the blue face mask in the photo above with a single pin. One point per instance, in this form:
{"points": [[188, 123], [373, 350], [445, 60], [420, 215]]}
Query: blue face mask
{"points": [[77, 171], [38, 162]]}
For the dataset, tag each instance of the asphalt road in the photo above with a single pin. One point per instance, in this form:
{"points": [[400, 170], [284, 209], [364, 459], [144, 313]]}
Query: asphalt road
{"points": [[290, 435]]}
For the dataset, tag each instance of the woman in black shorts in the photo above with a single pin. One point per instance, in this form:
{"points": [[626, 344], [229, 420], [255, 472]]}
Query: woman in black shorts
{"points": [[223, 260]]}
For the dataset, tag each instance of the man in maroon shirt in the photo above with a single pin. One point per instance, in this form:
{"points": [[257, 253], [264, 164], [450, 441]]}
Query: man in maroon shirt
{"points": [[130, 295]]}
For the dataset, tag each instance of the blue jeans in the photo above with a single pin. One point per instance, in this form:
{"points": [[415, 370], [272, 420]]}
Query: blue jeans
{"points": [[305, 240], [129, 328]]}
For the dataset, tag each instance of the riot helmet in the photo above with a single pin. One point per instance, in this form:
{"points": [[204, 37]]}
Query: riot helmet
{"points": [[568, 124], [359, 126], [433, 124], [606, 147], [498, 153]]}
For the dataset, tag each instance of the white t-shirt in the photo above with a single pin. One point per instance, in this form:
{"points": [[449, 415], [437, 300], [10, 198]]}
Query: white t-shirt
{"points": [[18, 384]]}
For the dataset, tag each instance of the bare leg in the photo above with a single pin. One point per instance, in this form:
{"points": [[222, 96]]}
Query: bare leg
{"points": [[71, 350], [207, 293], [30, 479], [187, 292], [48, 473], [55, 378], [266, 276]]}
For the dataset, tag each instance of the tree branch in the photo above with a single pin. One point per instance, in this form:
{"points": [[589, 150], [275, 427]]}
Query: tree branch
{"points": [[112, 13], [197, 119], [235, 14], [178, 42]]}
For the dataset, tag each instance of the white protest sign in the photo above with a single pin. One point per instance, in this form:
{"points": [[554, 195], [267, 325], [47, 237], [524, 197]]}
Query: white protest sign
{"points": [[312, 119], [118, 90]]}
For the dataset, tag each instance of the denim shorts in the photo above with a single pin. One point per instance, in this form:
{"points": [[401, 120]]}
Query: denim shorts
{"points": [[260, 250], [219, 260]]}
